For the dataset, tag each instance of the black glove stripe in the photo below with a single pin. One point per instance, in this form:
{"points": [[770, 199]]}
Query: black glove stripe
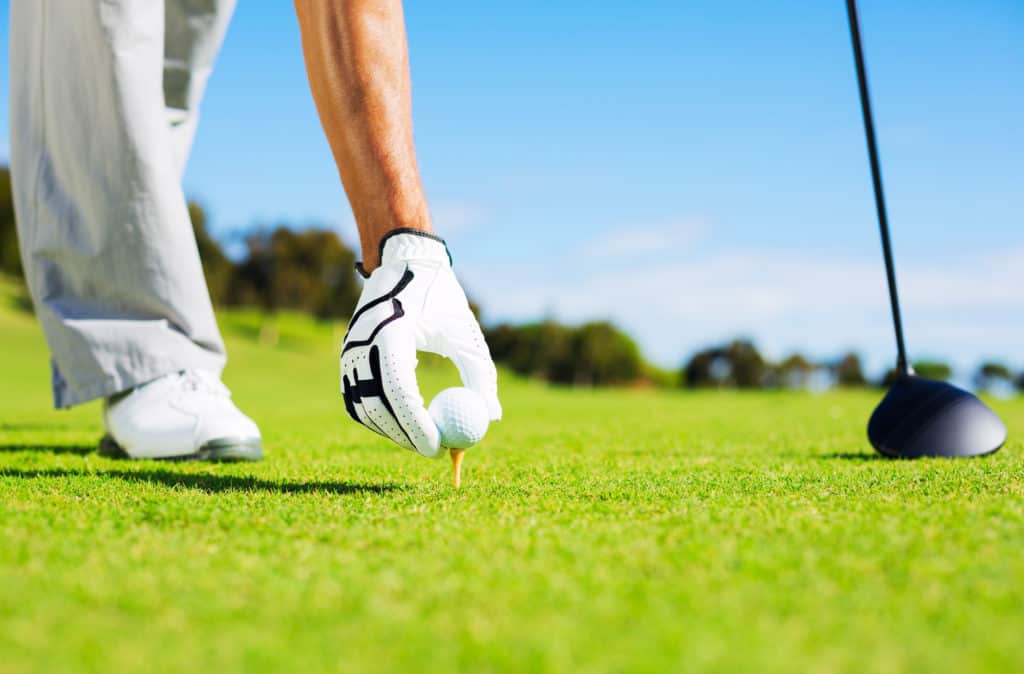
{"points": [[354, 404], [392, 295], [376, 373], [349, 394], [369, 421], [353, 393], [379, 425]]}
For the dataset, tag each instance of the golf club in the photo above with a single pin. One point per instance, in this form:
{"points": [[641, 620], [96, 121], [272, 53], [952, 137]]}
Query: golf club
{"points": [[918, 417]]}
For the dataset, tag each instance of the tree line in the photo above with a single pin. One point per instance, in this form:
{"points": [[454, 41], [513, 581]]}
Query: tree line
{"points": [[312, 270], [599, 354], [738, 364], [309, 270]]}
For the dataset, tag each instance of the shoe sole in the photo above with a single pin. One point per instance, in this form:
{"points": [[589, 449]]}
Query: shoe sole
{"points": [[221, 450]]}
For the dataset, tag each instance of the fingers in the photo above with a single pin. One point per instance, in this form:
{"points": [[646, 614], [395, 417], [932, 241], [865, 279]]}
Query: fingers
{"points": [[354, 405], [378, 364], [396, 360], [465, 346], [380, 390], [405, 304]]}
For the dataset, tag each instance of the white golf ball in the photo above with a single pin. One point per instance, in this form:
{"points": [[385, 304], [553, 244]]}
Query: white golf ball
{"points": [[461, 417]]}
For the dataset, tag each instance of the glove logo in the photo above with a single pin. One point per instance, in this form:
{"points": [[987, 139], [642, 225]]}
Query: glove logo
{"points": [[392, 295], [355, 390], [353, 393]]}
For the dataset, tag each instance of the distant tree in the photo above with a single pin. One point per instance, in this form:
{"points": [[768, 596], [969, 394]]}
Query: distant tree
{"points": [[848, 371], [794, 372], [309, 270], [929, 369], [593, 354], [700, 370], [992, 374], [10, 259], [737, 365], [1019, 382], [602, 355], [933, 369], [217, 267], [748, 367], [536, 349], [995, 371]]}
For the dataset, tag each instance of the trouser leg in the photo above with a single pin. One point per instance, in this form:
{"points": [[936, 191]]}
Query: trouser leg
{"points": [[195, 30], [106, 241]]}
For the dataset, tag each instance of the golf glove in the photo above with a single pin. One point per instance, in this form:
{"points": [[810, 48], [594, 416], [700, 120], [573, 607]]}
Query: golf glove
{"points": [[411, 302]]}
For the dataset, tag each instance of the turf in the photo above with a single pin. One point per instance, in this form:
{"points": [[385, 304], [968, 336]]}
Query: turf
{"points": [[610, 531]]}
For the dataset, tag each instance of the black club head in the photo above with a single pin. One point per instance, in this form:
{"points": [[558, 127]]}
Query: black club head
{"points": [[921, 417]]}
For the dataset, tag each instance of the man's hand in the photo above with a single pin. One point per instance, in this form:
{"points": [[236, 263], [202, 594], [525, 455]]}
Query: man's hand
{"points": [[411, 302], [358, 64]]}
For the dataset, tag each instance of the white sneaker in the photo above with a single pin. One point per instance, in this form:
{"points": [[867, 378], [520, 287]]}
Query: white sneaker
{"points": [[186, 415]]}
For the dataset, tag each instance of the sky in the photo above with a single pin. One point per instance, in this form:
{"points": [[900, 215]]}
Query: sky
{"points": [[692, 171]]}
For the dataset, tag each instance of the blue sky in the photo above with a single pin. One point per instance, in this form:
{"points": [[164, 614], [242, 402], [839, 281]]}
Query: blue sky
{"points": [[692, 170]]}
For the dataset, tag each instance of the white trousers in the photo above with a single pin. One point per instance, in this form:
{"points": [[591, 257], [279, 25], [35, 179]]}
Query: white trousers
{"points": [[104, 105]]}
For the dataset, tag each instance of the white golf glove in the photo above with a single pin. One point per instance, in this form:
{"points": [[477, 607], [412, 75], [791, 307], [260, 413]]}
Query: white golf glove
{"points": [[412, 302]]}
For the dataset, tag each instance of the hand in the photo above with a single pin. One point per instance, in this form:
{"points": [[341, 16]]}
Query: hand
{"points": [[411, 302]]}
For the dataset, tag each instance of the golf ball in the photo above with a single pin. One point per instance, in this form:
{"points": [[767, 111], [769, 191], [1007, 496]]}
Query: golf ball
{"points": [[461, 417]]}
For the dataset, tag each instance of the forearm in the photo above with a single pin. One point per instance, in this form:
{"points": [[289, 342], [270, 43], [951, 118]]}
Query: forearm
{"points": [[358, 66]]}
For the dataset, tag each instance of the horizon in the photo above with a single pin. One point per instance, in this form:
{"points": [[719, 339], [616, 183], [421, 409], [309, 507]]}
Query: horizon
{"points": [[691, 173]]}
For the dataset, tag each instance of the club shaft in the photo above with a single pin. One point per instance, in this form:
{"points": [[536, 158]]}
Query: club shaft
{"points": [[876, 177]]}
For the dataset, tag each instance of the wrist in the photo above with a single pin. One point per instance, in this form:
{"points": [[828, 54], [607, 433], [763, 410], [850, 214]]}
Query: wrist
{"points": [[403, 243]]}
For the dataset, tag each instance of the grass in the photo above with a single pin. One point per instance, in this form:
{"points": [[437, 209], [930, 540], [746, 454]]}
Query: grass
{"points": [[607, 531]]}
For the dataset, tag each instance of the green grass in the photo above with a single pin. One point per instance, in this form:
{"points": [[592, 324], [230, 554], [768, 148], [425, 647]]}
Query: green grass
{"points": [[611, 531]]}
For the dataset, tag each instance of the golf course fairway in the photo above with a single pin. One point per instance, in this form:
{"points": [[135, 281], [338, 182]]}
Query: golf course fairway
{"points": [[595, 531]]}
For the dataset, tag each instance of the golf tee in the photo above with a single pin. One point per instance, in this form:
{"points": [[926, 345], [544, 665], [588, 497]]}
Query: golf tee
{"points": [[457, 455]]}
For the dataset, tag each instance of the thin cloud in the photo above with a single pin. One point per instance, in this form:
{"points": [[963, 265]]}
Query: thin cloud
{"points": [[644, 240], [456, 216], [961, 310]]}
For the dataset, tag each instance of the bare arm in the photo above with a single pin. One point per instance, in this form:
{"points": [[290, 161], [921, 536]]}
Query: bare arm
{"points": [[358, 66]]}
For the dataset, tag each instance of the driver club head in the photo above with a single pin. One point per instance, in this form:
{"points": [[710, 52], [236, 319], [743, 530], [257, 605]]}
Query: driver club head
{"points": [[921, 417]]}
